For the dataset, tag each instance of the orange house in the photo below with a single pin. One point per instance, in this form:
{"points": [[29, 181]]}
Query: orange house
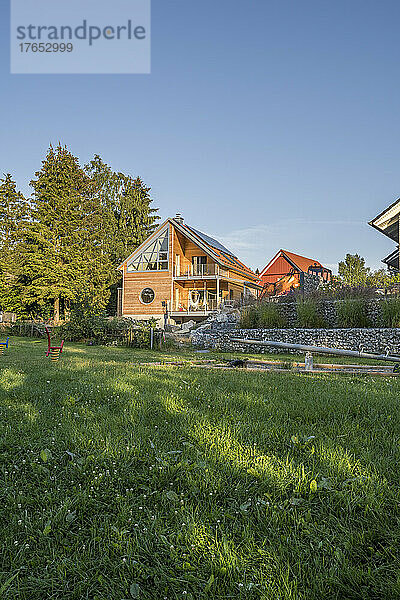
{"points": [[286, 270], [180, 273]]}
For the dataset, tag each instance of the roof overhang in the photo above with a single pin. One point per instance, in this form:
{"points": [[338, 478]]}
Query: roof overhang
{"points": [[253, 285], [392, 260], [387, 222]]}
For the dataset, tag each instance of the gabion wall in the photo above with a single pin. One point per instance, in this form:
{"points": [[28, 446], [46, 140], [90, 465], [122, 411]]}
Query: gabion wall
{"points": [[371, 339]]}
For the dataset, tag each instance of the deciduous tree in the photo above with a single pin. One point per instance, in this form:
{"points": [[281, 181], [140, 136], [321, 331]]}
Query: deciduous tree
{"points": [[353, 271]]}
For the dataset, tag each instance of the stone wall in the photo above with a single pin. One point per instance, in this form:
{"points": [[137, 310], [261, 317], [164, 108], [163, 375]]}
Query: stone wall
{"points": [[310, 283], [371, 339]]}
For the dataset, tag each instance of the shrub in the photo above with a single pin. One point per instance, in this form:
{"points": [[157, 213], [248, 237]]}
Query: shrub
{"points": [[352, 312], [83, 325], [391, 312], [139, 336], [86, 324], [308, 315]]}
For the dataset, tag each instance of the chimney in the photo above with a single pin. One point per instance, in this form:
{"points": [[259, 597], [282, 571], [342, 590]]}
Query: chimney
{"points": [[179, 218]]}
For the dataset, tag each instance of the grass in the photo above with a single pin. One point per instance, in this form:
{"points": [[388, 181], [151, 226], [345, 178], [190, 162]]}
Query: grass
{"points": [[309, 314], [264, 314], [121, 481], [391, 312], [352, 312]]}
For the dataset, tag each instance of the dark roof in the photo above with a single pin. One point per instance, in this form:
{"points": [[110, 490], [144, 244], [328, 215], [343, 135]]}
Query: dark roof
{"points": [[393, 259], [224, 257], [211, 241], [215, 249]]}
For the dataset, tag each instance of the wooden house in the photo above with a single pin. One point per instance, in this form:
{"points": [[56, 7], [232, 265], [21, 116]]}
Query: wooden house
{"points": [[388, 223], [183, 273], [286, 271]]}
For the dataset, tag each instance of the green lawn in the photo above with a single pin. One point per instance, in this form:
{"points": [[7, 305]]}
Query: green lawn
{"points": [[122, 482]]}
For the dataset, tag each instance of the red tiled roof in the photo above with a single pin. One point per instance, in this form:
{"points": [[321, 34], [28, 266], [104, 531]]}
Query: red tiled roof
{"points": [[301, 262]]}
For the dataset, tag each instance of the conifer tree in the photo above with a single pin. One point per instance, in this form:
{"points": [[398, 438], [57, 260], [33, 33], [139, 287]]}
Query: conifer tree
{"points": [[128, 218], [62, 252], [14, 212]]}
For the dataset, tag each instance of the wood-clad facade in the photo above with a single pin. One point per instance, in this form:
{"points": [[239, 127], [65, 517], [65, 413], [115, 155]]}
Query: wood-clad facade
{"points": [[198, 277]]}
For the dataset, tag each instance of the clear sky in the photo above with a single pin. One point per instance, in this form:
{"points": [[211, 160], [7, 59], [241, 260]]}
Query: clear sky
{"points": [[270, 124]]}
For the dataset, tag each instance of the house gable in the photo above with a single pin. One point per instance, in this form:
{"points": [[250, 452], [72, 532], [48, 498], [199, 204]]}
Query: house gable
{"points": [[295, 261], [278, 258]]}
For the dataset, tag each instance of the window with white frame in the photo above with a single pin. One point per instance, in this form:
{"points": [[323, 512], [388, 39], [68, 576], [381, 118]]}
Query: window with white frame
{"points": [[154, 257]]}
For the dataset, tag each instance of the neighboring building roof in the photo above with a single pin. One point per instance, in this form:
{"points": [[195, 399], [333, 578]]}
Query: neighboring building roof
{"points": [[387, 222], [392, 260], [296, 260], [302, 262]]}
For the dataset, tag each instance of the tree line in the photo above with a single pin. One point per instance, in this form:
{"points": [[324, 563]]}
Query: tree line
{"points": [[63, 244]]}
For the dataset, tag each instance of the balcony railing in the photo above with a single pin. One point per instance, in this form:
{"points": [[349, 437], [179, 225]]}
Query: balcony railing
{"points": [[200, 271], [200, 307]]}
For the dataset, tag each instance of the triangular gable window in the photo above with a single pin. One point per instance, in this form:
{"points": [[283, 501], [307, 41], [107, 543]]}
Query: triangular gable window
{"points": [[154, 257]]}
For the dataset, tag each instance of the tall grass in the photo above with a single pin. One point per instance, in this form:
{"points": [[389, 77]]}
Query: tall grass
{"points": [[391, 312], [352, 312], [265, 315], [248, 318], [309, 315], [269, 316]]}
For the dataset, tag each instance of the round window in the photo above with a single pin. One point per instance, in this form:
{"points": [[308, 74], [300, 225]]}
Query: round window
{"points": [[147, 295]]}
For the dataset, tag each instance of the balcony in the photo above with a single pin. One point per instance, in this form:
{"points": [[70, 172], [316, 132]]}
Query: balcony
{"points": [[208, 271]]}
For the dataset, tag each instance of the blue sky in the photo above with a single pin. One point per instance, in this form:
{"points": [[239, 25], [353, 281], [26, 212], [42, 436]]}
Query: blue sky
{"points": [[268, 124]]}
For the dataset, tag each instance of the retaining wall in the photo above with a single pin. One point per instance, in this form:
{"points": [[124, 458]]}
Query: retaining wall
{"points": [[371, 339]]}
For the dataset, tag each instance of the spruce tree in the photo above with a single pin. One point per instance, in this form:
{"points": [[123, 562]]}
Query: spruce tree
{"points": [[128, 218], [62, 254], [14, 211]]}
